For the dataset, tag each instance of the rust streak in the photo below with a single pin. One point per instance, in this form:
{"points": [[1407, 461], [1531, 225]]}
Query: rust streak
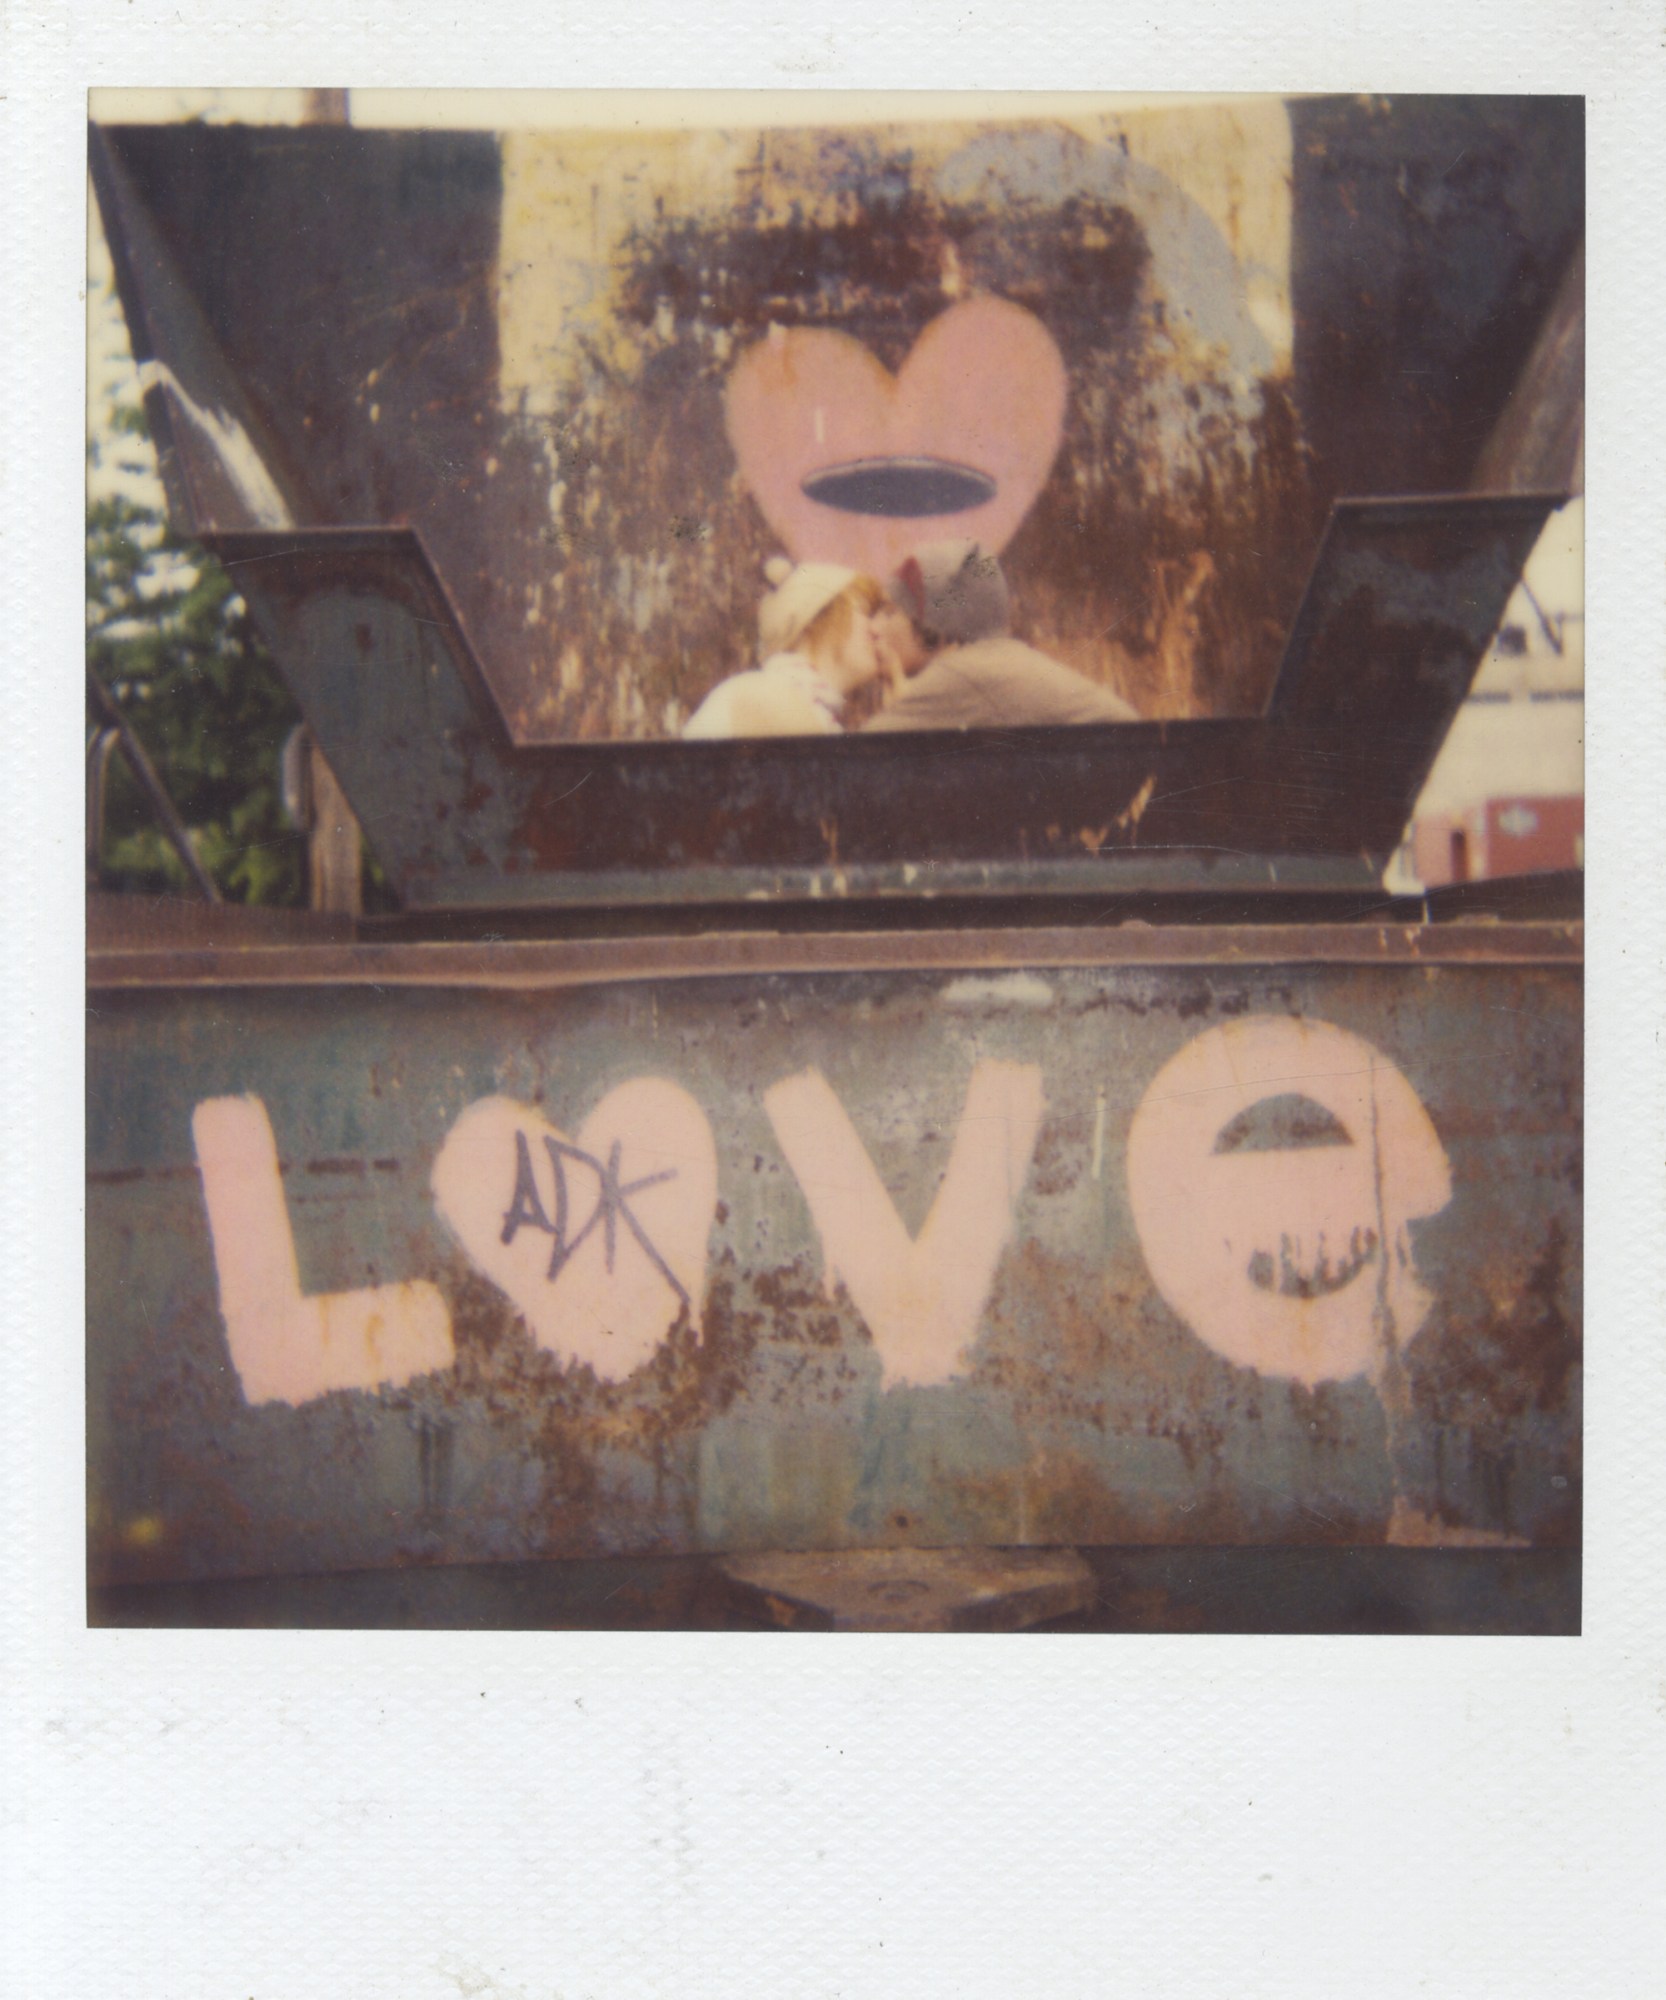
{"points": [[1129, 819]]}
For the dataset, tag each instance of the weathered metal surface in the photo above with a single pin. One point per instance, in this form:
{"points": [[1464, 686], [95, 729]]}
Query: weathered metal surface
{"points": [[1396, 617], [124, 921], [1410, 251], [244, 953], [1314, 1589], [647, 1247], [1539, 440], [1402, 603], [1086, 1409], [915, 1590], [522, 345]]}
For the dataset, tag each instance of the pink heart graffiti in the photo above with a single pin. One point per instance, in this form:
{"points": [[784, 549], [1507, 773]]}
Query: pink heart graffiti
{"points": [[982, 393]]}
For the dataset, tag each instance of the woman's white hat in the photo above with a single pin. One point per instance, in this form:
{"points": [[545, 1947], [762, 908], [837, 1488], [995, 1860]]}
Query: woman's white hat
{"points": [[800, 595]]}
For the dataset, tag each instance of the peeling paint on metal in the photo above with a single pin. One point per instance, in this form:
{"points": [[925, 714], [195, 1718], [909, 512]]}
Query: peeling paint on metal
{"points": [[1085, 1407]]}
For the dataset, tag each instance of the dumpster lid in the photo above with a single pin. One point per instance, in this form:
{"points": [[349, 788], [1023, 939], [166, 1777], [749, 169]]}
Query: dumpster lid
{"points": [[403, 531], [1314, 792]]}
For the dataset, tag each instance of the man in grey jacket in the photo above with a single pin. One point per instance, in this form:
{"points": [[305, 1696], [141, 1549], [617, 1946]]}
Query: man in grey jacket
{"points": [[945, 631]]}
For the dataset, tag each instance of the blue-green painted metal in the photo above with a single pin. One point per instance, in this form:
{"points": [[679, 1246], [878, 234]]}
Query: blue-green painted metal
{"points": [[1088, 1412]]}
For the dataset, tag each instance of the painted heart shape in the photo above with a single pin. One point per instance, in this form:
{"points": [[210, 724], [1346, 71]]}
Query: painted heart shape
{"points": [[982, 389], [600, 1241]]}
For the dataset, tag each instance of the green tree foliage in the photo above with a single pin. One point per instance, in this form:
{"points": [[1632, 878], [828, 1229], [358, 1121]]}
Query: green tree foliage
{"points": [[170, 639]]}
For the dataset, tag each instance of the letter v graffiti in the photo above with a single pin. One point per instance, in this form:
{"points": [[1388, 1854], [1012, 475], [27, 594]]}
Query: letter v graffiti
{"points": [[922, 1298]]}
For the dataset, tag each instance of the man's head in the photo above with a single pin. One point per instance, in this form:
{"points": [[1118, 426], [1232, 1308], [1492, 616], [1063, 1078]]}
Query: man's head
{"points": [[952, 592]]}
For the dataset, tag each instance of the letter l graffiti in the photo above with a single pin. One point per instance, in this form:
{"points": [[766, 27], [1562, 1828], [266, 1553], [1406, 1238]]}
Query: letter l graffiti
{"points": [[286, 1347]]}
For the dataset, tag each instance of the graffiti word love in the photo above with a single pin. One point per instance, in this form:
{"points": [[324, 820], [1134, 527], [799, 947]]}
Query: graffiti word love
{"points": [[1274, 1168], [600, 1241], [288, 1348]]}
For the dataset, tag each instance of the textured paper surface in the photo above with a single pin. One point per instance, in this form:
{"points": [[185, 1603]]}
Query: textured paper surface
{"points": [[254, 1815]]}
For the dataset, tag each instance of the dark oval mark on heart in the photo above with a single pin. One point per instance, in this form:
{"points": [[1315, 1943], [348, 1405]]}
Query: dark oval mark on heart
{"points": [[899, 488], [1282, 1124]]}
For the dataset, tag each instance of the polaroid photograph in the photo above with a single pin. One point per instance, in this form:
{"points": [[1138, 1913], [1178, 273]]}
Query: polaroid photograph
{"points": [[835, 863], [811, 1118]]}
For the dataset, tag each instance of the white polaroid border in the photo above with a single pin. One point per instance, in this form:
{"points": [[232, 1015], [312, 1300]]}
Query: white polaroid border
{"points": [[287, 1813]]}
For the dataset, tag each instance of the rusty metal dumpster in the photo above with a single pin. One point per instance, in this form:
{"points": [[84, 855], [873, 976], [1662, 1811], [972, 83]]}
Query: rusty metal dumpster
{"points": [[1007, 1139]]}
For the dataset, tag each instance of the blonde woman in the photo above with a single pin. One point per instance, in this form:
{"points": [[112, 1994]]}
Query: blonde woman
{"points": [[816, 640]]}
